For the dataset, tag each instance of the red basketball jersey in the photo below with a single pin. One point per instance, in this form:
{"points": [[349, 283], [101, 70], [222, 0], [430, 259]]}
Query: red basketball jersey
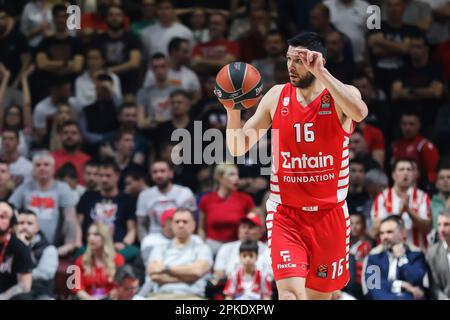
{"points": [[310, 168]]}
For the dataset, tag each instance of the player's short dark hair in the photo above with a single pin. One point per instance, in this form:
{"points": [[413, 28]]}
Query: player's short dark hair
{"points": [[395, 218], [402, 159], [57, 8], [27, 212], [67, 170], [127, 105], [309, 40], [109, 164], [248, 246], [175, 44], [181, 92]]}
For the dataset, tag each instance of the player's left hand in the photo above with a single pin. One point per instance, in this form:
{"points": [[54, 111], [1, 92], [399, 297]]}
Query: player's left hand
{"points": [[313, 61]]}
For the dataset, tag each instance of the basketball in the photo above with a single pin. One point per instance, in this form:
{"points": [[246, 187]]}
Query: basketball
{"points": [[238, 85]]}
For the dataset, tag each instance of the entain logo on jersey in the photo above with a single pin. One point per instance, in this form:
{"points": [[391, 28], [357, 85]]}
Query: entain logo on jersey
{"points": [[286, 258], [305, 162]]}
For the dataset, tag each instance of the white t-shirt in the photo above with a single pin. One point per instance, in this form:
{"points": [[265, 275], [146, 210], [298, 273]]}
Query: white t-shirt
{"points": [[85, 92], [153, 240], [351, 20], [156, 38], [34, 15], [21, 168], [46, 109], [152, 203], [184, 78]]}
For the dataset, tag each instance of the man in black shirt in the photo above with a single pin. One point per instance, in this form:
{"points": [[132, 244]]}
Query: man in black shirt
{"points": [[15, 258], [112, 207], [340, 66], [357, 197], [122, 49]]}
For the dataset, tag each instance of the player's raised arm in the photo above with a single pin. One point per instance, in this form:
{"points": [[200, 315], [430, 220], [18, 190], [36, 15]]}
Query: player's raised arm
{"points": [[240, 138]]}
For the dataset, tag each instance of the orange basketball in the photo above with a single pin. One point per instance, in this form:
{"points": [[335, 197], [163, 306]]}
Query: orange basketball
{"points": [[238, 85]]}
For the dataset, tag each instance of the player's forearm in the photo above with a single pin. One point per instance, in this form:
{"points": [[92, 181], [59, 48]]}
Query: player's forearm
{"points": [[236, 138], [348, 101]]}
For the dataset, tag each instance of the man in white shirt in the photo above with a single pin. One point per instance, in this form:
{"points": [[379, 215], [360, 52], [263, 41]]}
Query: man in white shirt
{"points": [[350, 17], [20, 168], [164, 195], [156, 37]]}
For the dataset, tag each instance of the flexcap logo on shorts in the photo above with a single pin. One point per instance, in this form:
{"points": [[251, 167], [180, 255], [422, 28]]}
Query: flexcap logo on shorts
{"points": [[322, 271]]}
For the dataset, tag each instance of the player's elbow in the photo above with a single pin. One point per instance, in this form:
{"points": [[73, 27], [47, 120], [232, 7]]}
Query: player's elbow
{"points": [[360, 113]]}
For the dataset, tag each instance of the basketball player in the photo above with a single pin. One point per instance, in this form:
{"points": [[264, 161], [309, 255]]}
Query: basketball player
{"points": [[312, 118]]}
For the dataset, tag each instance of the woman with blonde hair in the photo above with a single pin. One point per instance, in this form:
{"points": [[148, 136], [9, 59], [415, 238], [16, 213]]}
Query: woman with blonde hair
{"points": [[98, 264], [222, 209]]}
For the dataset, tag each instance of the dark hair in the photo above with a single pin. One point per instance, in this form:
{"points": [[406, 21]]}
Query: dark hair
{"points": [[110, 164], [123, 273], [358, 130], [160, 2], [117, 6], [127, 105], [274, 32], [397, 161], [95, 48], [157, 56], [175, 44], [249, 246], [27, 212], [57, 8], [309, 40], [169, 164], [396, 218], [16, 132], [7, 110], [119, 134], [357, 161], [323, 8], [412, 112], [71, 123], [67, 170], [91, 163], [4, 162], [136, 174], [180, 92], [444, 164], [59, 81], [104, 77], [361, 215]]}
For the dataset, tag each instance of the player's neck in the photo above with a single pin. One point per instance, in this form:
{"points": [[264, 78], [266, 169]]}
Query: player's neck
{"points": [[307, 95]]}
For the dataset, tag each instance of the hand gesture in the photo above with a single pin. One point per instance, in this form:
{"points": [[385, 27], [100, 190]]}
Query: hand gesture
{"points": [[312, 60], [29, 71], [398, 250], [3, 71]]}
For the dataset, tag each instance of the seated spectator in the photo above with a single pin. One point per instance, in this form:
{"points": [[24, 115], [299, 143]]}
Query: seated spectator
{"points": [[135, 182], [360, 247], [419, 83], [414, 146], [227, 259], [96, 22], [179, 73], [338, 64], [19, 166], [198, 25], [112, 208], [91, 175], [44, 255], [63, 114], [375, 181], [222, 210], [157, 36], [210, 56], [406, 201], [248, 282], [153, 101], [440, 202], [275, 49], [70, 152], [359, 150], [67, 173], [438, 259], [126, 284], [357, 196], [122, 50], [153, 201], [147, 16], [401, 266], [15, 258], [98, 265], [36, 21], [6, 183], [52, 201], [85, 91], [181, 268]]}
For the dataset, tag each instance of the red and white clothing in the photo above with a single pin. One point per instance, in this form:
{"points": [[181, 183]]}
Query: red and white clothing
{"points": [[241, 287], [360, 250], [388, 202], [374, 137]]}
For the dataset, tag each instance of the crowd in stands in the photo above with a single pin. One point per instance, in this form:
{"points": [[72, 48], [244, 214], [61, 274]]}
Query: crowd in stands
{"points": [[94, 205]]}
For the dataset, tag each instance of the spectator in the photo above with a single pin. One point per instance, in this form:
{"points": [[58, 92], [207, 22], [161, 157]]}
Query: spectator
{"points": [[112, 208], [275, 48], [375, 181], [96, 22], [402, 267], [359, 249], [156, 37], [420, 83], [70, 151], [357, 197], [359, 150], [68, 174], [182, 267], [417, 13], [209, 110], [440, 201], [98, 265], [440, 56], [104, 108], [85, 92], [248, 282], [6, 183], [36, 21], [63, 114], [44, 255], [58, 54], [338, 64], [198, 25], [349, 17], [148, 16], [406, 201], [15, 258], [227, 259], [14, 53], [389, 46], [439, 261], [19, 166], [53, 202], [91, 175], [210, 56], [439, 32], [216, 226], [135, 183], [179, 74], [126, 284], [375, 142], [163, 195], [414, 146], [153, 102]]}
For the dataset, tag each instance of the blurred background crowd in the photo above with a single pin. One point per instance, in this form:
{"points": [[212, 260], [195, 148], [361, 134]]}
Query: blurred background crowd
{"points": [[86, 118]]}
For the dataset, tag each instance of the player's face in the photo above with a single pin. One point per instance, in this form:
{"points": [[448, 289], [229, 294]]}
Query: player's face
{"points": [[161, 174], [28, 225], [444, 228], [443, 181], [410, 126], [248, 258], [356, 174], [357, 226], [230, 179], [403, 174], [298, 75], [166, 12], [390, 234]]}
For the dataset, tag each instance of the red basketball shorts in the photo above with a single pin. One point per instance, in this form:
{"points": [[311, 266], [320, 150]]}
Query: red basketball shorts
{"points": [[310, 244]]}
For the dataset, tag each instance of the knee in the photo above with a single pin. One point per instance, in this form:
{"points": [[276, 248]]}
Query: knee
{"points": [[291, 295]]}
